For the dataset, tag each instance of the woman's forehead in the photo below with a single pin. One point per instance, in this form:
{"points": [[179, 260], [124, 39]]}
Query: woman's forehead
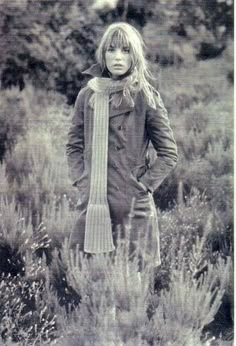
{"points": [[118, 39]]}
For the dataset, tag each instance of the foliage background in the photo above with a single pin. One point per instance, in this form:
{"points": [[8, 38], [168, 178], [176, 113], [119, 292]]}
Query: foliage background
{"points": [[44, 47]]}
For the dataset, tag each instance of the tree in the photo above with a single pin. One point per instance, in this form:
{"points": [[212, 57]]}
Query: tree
{"points": [[48, 42]]}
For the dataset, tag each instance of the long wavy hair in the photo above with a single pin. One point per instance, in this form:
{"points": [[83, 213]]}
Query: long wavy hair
{"points": [[125, 35]]}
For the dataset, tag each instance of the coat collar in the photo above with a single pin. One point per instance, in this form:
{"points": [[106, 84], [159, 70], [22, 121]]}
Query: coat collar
{"points": [[96, 71]]}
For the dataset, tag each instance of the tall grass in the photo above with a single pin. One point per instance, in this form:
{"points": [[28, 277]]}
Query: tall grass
{"points": [[111, 298]]}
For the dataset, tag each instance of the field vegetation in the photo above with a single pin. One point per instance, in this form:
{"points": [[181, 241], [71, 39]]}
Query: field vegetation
{"points": [[50, 294]]}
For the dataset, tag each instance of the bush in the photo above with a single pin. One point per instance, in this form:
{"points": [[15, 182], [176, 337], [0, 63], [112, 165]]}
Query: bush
{"points": [[163, 48], [34, 175], [202, 123], [13, 119], [25, 315], [187, 306], [116, 299], [26, 302], [106, 295], [36, 169]]}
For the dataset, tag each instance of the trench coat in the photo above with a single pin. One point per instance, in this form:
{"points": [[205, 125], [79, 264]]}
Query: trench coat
{"points": [[131, 130]]}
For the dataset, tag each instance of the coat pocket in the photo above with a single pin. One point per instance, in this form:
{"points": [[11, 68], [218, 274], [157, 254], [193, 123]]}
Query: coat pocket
{"points": [[136, 186]]}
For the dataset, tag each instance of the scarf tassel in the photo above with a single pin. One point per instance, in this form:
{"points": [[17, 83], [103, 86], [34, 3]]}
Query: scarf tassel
{"points": [[98, 231]]}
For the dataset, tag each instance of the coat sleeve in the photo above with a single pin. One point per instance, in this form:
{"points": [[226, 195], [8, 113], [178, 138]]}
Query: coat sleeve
{"points": [[161, 136], [75, 143]]}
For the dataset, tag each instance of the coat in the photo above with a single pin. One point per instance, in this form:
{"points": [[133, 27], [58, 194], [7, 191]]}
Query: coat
{"points": [[131, 130]]}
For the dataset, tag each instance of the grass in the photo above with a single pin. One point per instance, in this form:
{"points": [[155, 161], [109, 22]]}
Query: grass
{"points": [[101, 300]]}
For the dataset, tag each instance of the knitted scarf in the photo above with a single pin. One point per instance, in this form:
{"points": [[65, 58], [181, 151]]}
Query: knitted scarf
{"points": [[98, 228]]}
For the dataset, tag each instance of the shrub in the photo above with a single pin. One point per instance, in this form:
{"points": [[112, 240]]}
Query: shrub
{"points": [[25, 315], [115, 299], [187, 306], [28, 170], [165, 48], [183, 225], [202, 123], [36, 168], [27, 305], [106, 296], [13, 119]]}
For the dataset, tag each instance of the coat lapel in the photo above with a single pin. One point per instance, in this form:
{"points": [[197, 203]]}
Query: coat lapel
{"points": [[123, 108]]}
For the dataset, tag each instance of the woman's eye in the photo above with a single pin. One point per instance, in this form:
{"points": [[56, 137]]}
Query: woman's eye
{"points": [[126, 49], [110, 49]]}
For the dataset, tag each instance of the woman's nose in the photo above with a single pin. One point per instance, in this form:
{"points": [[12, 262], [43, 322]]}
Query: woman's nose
{"points": [[118, 54]]}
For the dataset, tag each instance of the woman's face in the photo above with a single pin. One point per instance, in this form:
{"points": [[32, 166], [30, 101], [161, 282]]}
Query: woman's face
{"points": [[118, 60]]}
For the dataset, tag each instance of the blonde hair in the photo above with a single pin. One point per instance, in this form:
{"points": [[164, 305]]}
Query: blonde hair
{"points": [[123, 34]]}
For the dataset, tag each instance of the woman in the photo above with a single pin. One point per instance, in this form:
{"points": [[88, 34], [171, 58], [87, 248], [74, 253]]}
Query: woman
{"points": [[116, 116]]}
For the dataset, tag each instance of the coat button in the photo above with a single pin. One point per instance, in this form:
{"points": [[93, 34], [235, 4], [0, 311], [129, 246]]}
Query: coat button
{"points": [[118, 147], [117, 188], [121, 127]]}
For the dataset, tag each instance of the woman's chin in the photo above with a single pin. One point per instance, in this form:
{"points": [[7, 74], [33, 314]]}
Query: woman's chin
{"points": [[119, 76]]}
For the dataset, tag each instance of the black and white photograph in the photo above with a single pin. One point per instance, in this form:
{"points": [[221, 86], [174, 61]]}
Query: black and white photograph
{"points": [[116, 172]]}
